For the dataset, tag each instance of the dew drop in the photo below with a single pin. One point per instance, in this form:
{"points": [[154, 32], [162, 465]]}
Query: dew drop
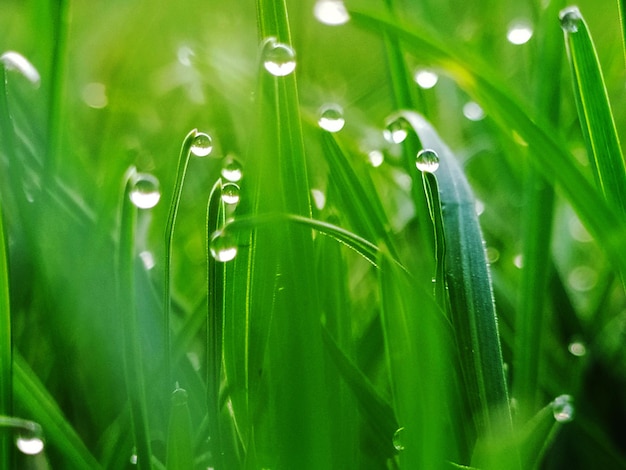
{"points": [[518, 261], [15, 61], [331, 118], [331, 12], [577, 348], [232, 169], [145, 193], [570, 19], [148, 259], [319, 198], [520, 32], [397, 439], [582, 278], [230, 193], [427, 160], [94, 95], [396, 131], [426, 78], [202, 145], [223, 246], [473, 111], [376, 158], [563, 409], [133, 459], [29, 445], [279, 59]]}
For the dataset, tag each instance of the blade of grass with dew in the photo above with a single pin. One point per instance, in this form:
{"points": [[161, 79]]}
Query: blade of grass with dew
{"points": [[133, 367], [482, 83], [32, 396], [594, 110], [179, 439]]}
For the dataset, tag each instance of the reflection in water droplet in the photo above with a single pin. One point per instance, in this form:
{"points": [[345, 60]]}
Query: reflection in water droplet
{"points": [[145, 193], [396, 131], [232, 169], [29, 445], [15, 61], [331, 118], [570, 19], [319, 198], [473, 111], [95, 95], [376, 158], [563, 409], [397, 439], [577, 348], [520, 32], [427, 160], [223, 246], [426, 78], [279, 59], [202, 145], [331, 12], [230, 193]]}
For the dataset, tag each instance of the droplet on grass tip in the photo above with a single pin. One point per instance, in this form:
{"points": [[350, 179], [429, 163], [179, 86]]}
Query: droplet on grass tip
{"points": [[563, 408], [331, 118], [15, 61], [232, 169], [230, 193], [279, 59], [571, 19], [427, 160], [145, 193], [426, 78], [223, 246], [520, 32], [396, 131], [331, 12], [29, 445], [202, 145], [397, 439]]}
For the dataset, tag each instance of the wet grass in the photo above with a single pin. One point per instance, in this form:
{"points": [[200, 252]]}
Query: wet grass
{"points": [[312, 294]]}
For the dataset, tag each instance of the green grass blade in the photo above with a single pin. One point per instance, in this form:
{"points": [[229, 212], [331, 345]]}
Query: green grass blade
{"points": [[179, 439], [6, 345], [594, 110], [621, 5], [133, 366]]}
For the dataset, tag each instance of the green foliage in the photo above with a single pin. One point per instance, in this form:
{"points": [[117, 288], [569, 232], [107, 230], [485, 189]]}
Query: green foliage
{"points": [[311, 294]]}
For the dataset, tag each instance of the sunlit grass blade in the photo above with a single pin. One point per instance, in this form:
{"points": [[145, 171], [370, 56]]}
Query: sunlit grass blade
{"points": [[32, 396], [594, 110], [179, 440], [127, 310]]}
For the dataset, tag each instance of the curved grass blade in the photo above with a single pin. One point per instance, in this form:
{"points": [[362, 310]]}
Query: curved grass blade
{"points": [[179, 439], [594, 110], [127, 310]]}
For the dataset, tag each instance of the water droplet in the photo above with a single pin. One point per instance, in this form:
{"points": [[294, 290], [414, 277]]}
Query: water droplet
{"points": [[232, 169], [396, 131], [479, 206], [179, 396], [133, 459], [202, 145], [184, 55], [279, 59], [15, 61], [319, 198], [520, 32], [577, 348], [493, 254], [145, 193], [29, 445], [427, 160], [376, 158], [518, 261], [426, 78], [148, 259], [223, 246], [473, 111], [230, 193], [95, 95], [582, 278], [331, 118], [563, 409], [331, 12], [571, 19], [397, 439]]}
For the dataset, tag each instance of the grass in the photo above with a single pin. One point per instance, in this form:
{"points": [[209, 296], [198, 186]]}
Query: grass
{"points": [[327, 304]]}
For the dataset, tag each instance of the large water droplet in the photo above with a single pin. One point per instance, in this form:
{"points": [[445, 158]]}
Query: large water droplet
{"points": [[331, 12], [230, 193], [145, 193], [29, 445], [331, 118], [426, 78], [520, 32], [223, 246], [202, 145], [396, 131], [15, 61], [397, 439], [571, 19], [427, 160], [232, 169], [279, 59], [563, 409]]}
